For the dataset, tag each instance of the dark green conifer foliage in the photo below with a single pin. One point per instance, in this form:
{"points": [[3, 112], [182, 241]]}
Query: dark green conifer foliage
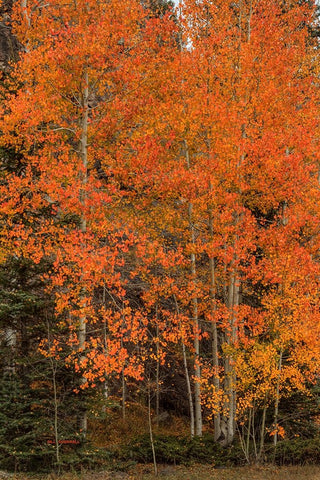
{"points": [[26, 398]]}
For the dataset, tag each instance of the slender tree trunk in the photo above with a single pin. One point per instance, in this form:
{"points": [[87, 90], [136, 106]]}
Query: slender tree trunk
{"points": [[276, 408], [197, 369], [233, 393], [157, 370], [186, 371], [214, 330], [105, 348], [83, 226], [123, 388], [188, 382], [124, 392], [155, 466], [53, 366], [25, 16], [254, 431], [56, 412], [248, 435], [244, 436], [262, 431], [212, 279], [10, 338], [228, 419]]}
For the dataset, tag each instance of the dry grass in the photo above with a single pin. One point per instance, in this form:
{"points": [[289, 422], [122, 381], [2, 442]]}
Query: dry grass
{"points": [[244, 473], [197, 472], [118, 431]]}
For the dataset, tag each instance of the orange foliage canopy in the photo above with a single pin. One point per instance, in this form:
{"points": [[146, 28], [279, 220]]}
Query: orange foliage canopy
{"points": [[183, 156]]}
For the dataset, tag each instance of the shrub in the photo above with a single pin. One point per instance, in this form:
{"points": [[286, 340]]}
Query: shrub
{"points": [[181, 450]]}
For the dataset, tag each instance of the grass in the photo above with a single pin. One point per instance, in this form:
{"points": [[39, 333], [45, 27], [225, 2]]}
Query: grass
{"points": [[205, 472], [196, 472]]}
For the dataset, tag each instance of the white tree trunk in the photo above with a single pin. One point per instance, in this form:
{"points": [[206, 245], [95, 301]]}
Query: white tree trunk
{"points": [[214, 330], [186, 371], [10, 338], [83, 226], [197, 368]]}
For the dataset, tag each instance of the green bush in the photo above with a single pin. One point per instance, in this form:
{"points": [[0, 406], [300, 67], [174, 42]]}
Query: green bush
{"points": [[296, 452], [181, 450]]}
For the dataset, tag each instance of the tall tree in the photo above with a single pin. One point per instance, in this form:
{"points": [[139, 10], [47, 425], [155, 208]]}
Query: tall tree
{"points": [[79, 103]]}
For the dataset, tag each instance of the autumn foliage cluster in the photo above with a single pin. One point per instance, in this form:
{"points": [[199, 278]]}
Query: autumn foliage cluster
{"points": [[167, 176]]}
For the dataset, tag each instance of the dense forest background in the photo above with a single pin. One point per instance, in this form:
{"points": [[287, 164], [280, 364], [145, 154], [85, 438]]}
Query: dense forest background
{"points": [[159, 245]]}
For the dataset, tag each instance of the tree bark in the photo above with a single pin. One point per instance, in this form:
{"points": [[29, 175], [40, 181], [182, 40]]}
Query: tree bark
{"points": [[83, 226], [10, 337], [155, 466], [188, 382], [157, 370], [262, 432], [276, 408], [214, 330], [197, 369], [228, 418], [196, 343]]}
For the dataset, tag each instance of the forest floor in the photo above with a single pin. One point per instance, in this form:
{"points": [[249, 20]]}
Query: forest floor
{"points": [[207, 472], [196, 472]]}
